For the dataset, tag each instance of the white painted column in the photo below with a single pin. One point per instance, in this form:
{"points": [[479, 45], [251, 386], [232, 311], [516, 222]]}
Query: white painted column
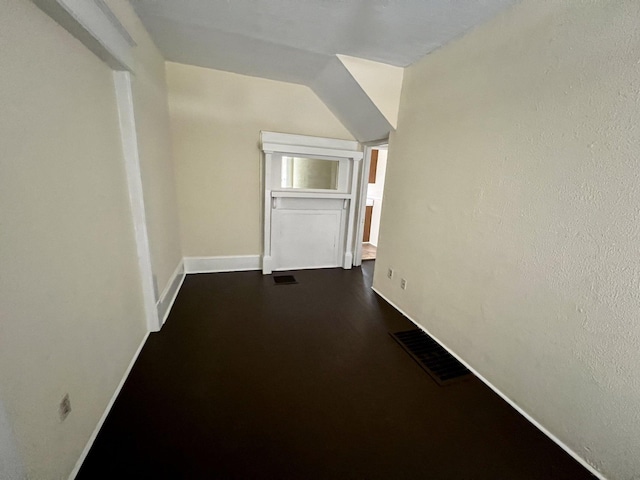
{"points": [[124, 98], [361, 205], [351, 225], [267, 263]]}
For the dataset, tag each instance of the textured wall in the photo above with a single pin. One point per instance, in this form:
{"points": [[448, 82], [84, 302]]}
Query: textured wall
{"points": [[216, 122], [71, 312], [154, 144], [512, 208], [11, 464]]}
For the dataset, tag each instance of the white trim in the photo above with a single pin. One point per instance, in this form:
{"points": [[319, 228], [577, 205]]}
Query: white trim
{"points": [[283, 139], [309, 194], [315, 267], [267, 264], [314, 151], [115, 22], [362, 196], [535, 423], [347, 261], [129, 136], [96, 26], [361, 207], [96, 430], [170, 292], [348, 152], [237, 263], [267, 259]]}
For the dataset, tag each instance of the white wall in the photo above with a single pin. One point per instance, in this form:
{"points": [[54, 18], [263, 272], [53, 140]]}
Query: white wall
{"points": [[11, 464], [154, 144], [375, 191], [216, 120], [71, 312], [381, 82], [512, 209]]}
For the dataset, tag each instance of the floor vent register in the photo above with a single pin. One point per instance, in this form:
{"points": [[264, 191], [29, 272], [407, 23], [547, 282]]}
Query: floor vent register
{"points": [[434, 359], [284, 280]]}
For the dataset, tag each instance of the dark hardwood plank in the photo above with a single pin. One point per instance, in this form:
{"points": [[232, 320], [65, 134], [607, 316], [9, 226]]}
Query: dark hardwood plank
{"points": [[249, 380]]}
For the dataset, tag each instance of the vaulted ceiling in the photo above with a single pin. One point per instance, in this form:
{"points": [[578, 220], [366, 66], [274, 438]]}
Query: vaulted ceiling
{"points": [[298, 40]]}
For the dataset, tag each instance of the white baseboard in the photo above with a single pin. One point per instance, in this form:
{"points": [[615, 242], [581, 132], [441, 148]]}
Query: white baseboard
{"points": [[170, 293], [267, 265], [560, 443], [93, 436], [221, 264], [348, 261]]}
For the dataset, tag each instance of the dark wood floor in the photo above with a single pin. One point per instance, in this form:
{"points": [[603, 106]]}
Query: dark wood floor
{"points": [[249, 380]]}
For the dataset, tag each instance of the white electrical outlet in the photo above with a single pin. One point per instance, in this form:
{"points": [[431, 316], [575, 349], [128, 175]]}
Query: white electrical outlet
{"points": [[403, 284], [390, 273]]}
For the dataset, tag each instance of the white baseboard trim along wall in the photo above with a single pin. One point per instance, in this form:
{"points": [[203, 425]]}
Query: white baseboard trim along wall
{"points": [[237, 263], [93, 436], [170, 292], [560, 443]]}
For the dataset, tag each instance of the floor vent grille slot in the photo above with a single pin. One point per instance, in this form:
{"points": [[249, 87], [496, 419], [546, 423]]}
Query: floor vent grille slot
{"points": [[434, 359], [284, 279]]}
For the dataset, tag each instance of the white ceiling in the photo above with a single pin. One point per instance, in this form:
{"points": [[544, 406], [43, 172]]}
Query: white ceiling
{"points": [[296, 40]]}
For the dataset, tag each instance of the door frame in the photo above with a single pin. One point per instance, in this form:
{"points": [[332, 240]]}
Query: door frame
{"points": [[362, 197]]}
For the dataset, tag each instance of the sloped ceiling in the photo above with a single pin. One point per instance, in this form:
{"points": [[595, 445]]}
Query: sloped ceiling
{"points": [[298, 40], [381, 82]]}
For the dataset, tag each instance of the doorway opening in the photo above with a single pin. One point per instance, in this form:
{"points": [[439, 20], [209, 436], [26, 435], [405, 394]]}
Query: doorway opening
{"points": [[373, 199]]}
